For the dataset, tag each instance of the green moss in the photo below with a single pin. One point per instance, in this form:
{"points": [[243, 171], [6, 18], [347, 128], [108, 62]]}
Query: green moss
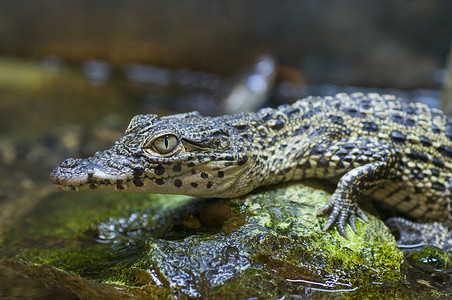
{"points": [[269, 243], [373, 248]]}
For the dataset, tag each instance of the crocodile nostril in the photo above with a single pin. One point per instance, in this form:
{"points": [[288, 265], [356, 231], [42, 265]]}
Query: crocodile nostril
{"points": [[68, 163]]}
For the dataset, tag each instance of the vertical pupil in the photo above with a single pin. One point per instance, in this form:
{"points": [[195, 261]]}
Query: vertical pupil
{"points": [[166, 142]]}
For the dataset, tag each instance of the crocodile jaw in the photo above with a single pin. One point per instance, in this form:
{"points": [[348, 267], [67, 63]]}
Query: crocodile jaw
{"points": [[80, 174], [95, 173]]}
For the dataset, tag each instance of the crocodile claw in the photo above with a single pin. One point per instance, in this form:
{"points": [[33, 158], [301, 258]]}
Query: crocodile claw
{"points": [[342, 213]]}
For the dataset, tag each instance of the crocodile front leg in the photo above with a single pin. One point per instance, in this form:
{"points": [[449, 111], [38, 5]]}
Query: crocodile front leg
{"points": [[377, 166]]}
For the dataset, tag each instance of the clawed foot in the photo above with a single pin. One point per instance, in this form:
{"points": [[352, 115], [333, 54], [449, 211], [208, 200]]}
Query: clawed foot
{"points": [[342, 212]]}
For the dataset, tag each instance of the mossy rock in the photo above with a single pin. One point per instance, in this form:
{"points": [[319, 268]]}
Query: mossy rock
{"points": [[268, 244]]}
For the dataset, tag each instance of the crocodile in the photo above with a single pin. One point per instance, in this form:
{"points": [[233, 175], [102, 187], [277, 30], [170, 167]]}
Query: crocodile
{"points": [[370, 145]]}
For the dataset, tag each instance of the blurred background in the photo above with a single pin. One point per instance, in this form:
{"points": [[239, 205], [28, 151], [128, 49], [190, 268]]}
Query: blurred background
{"points": [[79, 61]]}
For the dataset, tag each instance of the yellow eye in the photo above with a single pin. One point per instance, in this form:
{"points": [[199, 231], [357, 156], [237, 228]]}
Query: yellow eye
{"points": [[165, 143]]}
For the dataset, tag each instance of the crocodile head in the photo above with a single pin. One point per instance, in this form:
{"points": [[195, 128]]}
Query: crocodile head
{"points": [[179, 154]]}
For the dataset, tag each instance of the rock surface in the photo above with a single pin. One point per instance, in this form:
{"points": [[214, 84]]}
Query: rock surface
{"points": [[266, 245]]}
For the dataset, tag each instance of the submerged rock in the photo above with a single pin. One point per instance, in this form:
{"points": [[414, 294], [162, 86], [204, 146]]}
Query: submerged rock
{"points": [[268, 244]]}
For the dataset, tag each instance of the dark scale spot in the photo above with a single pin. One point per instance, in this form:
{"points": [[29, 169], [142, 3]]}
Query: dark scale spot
{"points": [[362, 160], [92, 186], [397, 137], [337, 120], [448, 131], [90, 178], [286, 170], [228, 164], [396, 118], [340, 166], [418, 156], [435, 172], [366, 105], [178, 183], [268, 115], [277, 125], [425, 141], [354, 112], [159, 170], [243, 160], [438, 186], [138, 171], [292, 111], [137, 182], [370, 127], [410, 110], [209, 184], [349, 158], [445, 150], [241, 126], [160, 181], [368, 153], [317, 150], [410, 122], [213, 157], [436, 129], [418, 190], [204, 175], [306, 165], [220, 174], [229, 157], [191, 165], [177, 168], [438, 162], [431, 200], [193, 171], [341, 152], [194, 184], [349, 146], [323, 163]]}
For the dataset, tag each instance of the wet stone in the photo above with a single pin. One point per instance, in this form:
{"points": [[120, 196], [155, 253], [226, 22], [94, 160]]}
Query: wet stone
{"points": [[191, 247]]}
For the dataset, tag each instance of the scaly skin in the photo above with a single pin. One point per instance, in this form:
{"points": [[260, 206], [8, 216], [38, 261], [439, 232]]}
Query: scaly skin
{"points": [[377, 145]]}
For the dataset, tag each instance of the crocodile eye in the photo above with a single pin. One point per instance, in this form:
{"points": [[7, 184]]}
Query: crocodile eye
{"points": [[165, 144]]}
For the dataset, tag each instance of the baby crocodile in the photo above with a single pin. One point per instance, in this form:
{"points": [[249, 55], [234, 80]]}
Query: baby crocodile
{"points": [[375, 145]]}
